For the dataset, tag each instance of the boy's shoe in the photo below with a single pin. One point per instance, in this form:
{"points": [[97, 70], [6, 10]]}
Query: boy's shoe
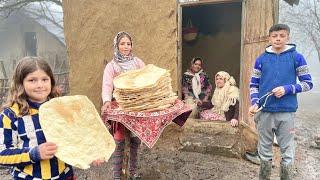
{"points": [[134, 177], [253, 157], [286, 172], [265, 170]]}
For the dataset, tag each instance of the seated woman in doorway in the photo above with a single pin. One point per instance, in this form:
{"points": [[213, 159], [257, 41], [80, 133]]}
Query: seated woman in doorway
{"points": [[225, 101], [196, 86]]}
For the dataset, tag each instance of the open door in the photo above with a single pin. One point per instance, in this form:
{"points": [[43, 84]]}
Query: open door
{"points": [[90, 27], [218, 39], [247, 23], [258, 17]]}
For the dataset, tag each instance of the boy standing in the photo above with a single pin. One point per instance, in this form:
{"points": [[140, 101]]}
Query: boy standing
{"points": [[275, 72]]}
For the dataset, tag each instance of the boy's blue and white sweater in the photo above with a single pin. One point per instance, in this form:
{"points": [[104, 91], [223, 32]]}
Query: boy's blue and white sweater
{"points": [[272, 70]]}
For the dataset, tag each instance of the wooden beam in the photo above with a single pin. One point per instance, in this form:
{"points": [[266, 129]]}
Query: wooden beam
{"points": [[242, 65], [276, 11], [179, 49], [3, 70], [203, 2]]}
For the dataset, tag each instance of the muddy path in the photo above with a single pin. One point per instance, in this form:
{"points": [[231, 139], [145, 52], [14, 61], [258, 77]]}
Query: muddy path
{"points": [[308, 157], [167, 161]]}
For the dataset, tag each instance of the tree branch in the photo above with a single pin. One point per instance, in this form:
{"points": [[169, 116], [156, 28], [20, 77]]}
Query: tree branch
{"points": [[11, 6], [316, 14], [42, 16], [307, 19]]}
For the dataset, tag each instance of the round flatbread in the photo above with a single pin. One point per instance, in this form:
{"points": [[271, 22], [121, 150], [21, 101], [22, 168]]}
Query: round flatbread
{"points": [[141, 78], [73, 123]]}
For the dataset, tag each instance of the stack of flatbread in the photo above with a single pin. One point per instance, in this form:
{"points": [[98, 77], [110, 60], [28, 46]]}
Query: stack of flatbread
{"points": [[146, 89]]}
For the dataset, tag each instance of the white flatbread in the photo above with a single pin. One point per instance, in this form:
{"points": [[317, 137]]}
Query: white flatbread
{"points": [[141, 78], [73, 123]]}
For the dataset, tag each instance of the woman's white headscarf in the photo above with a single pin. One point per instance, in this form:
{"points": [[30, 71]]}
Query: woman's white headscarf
{"points": [[226, 96], [196, 84]]}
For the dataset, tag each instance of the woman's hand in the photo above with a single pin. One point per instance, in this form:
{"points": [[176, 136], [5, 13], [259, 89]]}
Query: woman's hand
{"points": [[198, 102], [106, 106], [205, 99], [98, 162], [47, 150], [234, 122]]}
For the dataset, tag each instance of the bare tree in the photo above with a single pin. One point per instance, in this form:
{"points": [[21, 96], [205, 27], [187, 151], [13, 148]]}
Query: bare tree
{"points": [[43, 11], [10, 6], [37, 9], [306, 17]]}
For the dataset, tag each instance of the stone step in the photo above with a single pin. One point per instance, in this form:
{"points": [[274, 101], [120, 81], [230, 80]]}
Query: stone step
{"points": [[224, 145], [217, 138]]}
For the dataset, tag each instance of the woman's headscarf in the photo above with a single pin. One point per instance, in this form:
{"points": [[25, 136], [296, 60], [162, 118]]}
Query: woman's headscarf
{"points": [[226, 96], [126, 63], [196, 84]]}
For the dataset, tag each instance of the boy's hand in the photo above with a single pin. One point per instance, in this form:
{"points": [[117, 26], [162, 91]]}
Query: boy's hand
{"points": [[47, 150], [98, 162], [253, 109], [278, 91]]}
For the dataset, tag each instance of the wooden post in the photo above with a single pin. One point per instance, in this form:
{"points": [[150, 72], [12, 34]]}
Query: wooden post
{"points": [[14, 63], [179, 48], [61, 65], [3, 70], [54, 65]]}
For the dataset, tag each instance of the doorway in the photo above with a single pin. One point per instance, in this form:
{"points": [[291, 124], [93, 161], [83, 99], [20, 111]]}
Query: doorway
{"points": [[218, 40]]}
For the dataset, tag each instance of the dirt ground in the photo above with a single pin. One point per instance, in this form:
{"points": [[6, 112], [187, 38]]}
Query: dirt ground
{"points": [[169, 162]]}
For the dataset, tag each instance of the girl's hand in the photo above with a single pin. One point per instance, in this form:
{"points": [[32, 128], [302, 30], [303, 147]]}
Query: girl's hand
{"points": [[98, 162], [106, 106], [234, 122], [47, 150]]}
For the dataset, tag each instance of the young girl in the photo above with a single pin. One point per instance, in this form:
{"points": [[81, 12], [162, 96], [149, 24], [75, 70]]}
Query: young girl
{"points": [[122, 61], [22, 142]]}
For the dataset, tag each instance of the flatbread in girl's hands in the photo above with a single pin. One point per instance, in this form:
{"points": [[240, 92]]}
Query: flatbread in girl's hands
{"points": [[73, 123]]}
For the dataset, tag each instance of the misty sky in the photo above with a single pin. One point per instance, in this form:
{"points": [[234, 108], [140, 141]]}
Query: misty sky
{"points": [[305, 47], [309, 100]]}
